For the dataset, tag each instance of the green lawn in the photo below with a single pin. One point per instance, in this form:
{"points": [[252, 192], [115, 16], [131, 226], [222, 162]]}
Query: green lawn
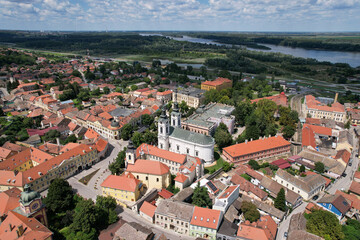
{"points": [[85, 180], [219, 164]]}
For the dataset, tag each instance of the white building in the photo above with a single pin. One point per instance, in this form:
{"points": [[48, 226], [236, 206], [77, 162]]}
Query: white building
{"points": [[175, 139], [226, 198]]}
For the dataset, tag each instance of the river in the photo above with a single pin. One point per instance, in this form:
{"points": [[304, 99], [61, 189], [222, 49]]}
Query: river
{"points": [[351, 58]]}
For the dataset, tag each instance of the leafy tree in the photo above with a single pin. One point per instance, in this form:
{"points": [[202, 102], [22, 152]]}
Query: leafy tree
{"points": [[106, 90], [71, 138], [149, 137], [107, 205], [288, 131], [183, 107], [201, 197], [137, 139], [250, 211], [1, 111], [119, 163], [324, 224], [351, 229], [60, 196], [146, 120], [279, 202], [254, 164], [347, 124], [85, 220], [133, 87], [96, 92], [319, 167], [51, 135], [227, 166], [222, 137], [126, 131], [76, 73], [302, 168]]}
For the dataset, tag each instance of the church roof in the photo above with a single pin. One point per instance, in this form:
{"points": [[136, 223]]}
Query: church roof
{"points": [[193, 137]]}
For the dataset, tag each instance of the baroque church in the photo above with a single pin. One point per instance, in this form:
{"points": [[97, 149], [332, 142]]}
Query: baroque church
{"points": [[173, 138]]}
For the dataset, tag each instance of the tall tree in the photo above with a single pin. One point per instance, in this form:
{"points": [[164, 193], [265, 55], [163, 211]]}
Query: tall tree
{"points": [[60, 196], [201, 197], [250, 211], [279, 202], [319, 167], [324, 224]]}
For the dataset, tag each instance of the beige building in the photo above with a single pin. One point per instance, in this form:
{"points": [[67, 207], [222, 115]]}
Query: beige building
{"points": [[174, 215], [319, 110], [306, 187], [152, 174], [193, 97]]}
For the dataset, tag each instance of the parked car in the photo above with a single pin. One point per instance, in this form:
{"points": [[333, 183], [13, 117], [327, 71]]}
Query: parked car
{"points": [[285, 234], [315, 197], [350, 164], [343, 174]]}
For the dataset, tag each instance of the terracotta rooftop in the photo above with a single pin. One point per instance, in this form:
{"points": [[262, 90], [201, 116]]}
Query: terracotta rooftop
{"points": [[165, 193], [205, 217], [355, 188], [312, 103], [125, 182], [218, 81], [264, 229], [9, 200], [279, 99], [148, 209], [256, 146], [155, 151], [149, 167]]}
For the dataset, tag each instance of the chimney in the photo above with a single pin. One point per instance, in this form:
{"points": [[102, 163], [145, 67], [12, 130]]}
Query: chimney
{"points": [[20, 231], [246, 141], [251, 140], [58, 141], [336, 97]]}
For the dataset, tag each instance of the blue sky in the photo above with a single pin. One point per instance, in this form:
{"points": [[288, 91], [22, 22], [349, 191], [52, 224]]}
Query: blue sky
{"points": [[204, 15]]}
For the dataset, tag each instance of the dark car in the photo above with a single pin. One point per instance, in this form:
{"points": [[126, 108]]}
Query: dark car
{"points": [[350, 164], [343, 175], [285, 234], [315, 197]]}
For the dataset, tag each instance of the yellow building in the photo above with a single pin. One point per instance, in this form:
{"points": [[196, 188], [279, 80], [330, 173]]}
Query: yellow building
{"points": [[62, 166], [123, 188], [152, 174], [25, 160], [218, 84]]}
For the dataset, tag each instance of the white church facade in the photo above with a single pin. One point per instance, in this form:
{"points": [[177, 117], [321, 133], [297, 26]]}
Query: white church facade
{"points": [[175, 139]]}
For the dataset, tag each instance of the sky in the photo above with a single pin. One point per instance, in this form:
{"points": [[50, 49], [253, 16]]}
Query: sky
{"points": [[181, 15]]}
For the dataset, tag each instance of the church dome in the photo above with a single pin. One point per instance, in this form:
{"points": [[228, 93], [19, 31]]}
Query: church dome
{"points": [[28, 195], [114, 124]]}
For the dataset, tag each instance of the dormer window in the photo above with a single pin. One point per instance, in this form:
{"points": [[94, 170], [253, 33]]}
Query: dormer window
{"points": [[201, 219]]}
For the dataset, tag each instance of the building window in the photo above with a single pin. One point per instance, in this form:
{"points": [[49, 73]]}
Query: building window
{"points": [[146, 178], [187, 150], [157, 179], [161, 130], [177, 147], [137, 176]]}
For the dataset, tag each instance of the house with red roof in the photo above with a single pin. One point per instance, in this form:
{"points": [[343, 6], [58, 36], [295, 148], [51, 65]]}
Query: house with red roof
{"points": [[257, 149], [312, 135], [281, 163], [147, 211], [205, 222], [165, 96], [152, 174], [264, 229], [319, 110], [280, 99], [101, 146], [226, 198], [218, 84], [125, 188]]}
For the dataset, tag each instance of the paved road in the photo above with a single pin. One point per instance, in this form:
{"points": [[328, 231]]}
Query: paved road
{"points": [[341, 183], [130, 216], [92, 189]]}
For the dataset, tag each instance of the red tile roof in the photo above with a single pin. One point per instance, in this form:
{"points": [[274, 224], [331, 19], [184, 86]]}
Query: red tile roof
{"points": [[9, 200], [357, 175], [101, 144], [180, 178], [32, 154], [281, 163], [355, 187], [308, 137], [148, 209], [217, 82], [40, 132], [4, 153], [279, 99], [155, 151], [312, 103], [355, 201], [165, 193], [90, 133], [228, 191], [256, 146], [125, 182], [33, 229], [105, 115], [320, 130], [149, 167], [264, 229], [205, 217], [247, 187], [69, 146], [344, 155], [164, 93]]}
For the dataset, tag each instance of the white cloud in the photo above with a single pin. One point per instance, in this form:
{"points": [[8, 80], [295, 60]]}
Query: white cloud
{"points": [[178, 14]]}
